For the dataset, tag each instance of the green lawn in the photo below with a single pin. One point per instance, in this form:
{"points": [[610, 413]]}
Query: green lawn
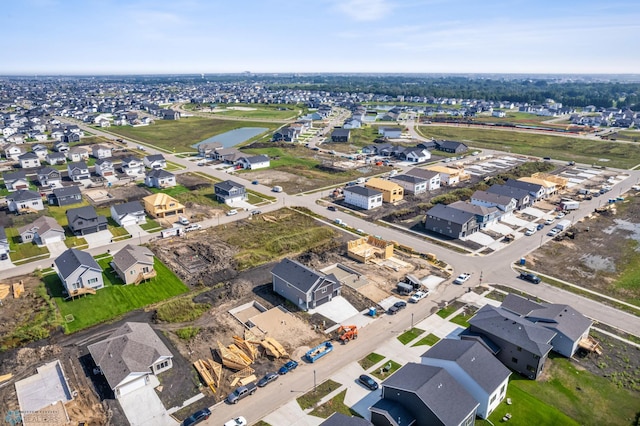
{"points": [[334, 405], [179, 135], [21, 251], [381, 374], [115, 299], [59, 212], [173, 191], [461, 319], [446, 312], [311, 398], [429, 340], [262, 111], [370, 360], [588, 151], [410, 335], [151, 225]]}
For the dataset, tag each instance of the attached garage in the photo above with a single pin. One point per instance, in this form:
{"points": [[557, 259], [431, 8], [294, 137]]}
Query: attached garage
{"points": [[132, 385], [51, 238]]}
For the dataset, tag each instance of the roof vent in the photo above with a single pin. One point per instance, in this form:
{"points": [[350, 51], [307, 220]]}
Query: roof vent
{"points": [[440, 385]]}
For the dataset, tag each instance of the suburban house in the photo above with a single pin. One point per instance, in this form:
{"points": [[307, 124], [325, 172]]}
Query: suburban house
{"points": [[79, 272], [550, 188], [340, 135], [432, 177], [4, 244], [504, 203], [49, 177], [42, 231], [484, 215], [450, 176], [169, 114], [101, 152], [60, 146], [105, 168], [55, 158], [15, 180], [162, 205], [571, 327], [159, 178], [85, 220], [450, 222], [522, 196], [228, 155], [415, 155], [41, 151], [207, 149], [65, 196], [302, 286], [521, 345], [535, 190], [24, 201], [132, 166], [77, 153], [339, 419], [78, 171], [129, 356], [155, 161], [453, 147], [29, 160], [361, 197], [230, 192], [254, 162], [419, 394], [411, 184], [391, 192], [390, 132], [13, 152], [126, 214], [133, 264], [475, 368], [286, 134]]}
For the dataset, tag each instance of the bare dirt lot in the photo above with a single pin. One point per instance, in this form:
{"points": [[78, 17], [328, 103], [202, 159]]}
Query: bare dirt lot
{"points": [[603, 256]]}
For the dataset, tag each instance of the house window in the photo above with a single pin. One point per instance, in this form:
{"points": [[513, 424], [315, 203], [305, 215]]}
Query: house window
{"points": [[531, 369], [519, 349], [514, 360], [324, 290], [493, 398], [92, 280], [503, 389], [132, 272]]}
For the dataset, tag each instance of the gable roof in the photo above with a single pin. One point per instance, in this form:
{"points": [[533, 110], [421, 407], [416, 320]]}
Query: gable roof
{"points": [[527, 186], [161, 199], [20, 174], [519, 305], [128, 208], [449, 144], [84, 212], [473, 208], [422, 173], [46, 171], [155, 157], [23, 195], [129, 255], [257, 159], [451, 214], [67, 191], [298, 275], [439, 391], [472, 357], [339, 419], [492, 197], [408, 178], [77, 165], [42, 225], [508, 191], [159, 174], [71, 259], [228, 185], [360, 190], [132, 348]]}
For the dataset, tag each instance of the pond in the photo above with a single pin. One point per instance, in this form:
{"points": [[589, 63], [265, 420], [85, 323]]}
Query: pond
{"points": [[234, 137]]}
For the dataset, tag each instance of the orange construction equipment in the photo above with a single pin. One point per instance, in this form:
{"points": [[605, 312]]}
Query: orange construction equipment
{"points": [[347, 332]]}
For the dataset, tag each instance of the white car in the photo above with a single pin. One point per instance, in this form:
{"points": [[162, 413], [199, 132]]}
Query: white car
{"points": [[232, 212], [193, 227], [553, 232], [530, 231], [548, 221], [238, 421], [462, 278], [560, 215], [418, 296]]}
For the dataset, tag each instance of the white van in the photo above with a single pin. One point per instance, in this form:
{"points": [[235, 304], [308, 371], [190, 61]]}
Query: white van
{"points": [[232, 212]]}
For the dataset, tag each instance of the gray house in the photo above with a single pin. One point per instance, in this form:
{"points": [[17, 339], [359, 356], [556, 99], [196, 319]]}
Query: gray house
{"points": [[517, 342], [42, 231], [450, 222], [475, 368], [85, 220], [423, 395], [159, 178], [49, 177], [15, 180], [24, 201], [65, 196], [78, 272], [229, 192], [78, 171], [304, 287], [484, 215], [130, 213], [536, 191], [522, 196]]}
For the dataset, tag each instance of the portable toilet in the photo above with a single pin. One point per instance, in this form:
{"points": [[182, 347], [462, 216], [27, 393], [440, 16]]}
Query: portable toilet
{"points": [[523, 261], [372, 312]]}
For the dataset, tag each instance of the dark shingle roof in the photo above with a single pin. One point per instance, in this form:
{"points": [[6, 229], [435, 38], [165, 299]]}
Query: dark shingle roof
{"points": [[20, 174], [155, 157], [127, 208], [297, 274], [562, 318], [393, 411], [473, 208], [159, 174], [228, 185], [360, 190], [519, 305], [23, 195], [421, 173], [129, 255], [508, 191], [450, 214], [67, 191], [71, 259], [339, 419], [492, 197], [85, 212]]}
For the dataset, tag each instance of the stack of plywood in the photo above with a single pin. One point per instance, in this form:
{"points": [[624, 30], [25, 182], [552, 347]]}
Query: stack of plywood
{"points": [[18, 289], [274, 348], [4, 291], [247, 347], [235, 360]]}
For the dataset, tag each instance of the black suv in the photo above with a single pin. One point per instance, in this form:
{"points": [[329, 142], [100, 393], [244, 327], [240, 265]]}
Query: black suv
{"points": [[197, 417], [528, 276]]}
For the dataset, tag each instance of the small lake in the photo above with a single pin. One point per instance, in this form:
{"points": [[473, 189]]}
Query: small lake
{"points": [[234, 137]]}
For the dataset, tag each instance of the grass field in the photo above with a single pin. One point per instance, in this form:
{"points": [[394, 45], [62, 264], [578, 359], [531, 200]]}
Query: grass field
{"points": [[370, 360], [179, 135], [588, 151], [269, 237], [203, 196], [270, 112], [115, 299]]}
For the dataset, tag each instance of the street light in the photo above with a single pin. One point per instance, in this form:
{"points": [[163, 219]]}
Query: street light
{"points": [[314, 381], [412, 320]]}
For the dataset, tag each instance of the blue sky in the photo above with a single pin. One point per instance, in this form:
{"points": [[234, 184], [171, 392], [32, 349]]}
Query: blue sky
{"points": [[219, 36]]}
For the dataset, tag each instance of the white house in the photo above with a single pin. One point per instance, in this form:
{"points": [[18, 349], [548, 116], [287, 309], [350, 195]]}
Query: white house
{"points": [[159, 178], [54, 158], [13, 151], [78, 171], [155, 161], [24, 201], [41, 151], [100, 151], [475, 368], [132, 166], [77, 153], [411, 184], [504, 203], [390, 132], [131, 213], [78, 270], [415, 155], [364, 198], [44, 230], [104, 167], [29, 160], [255, 162], [49, 177], [15, 180]]}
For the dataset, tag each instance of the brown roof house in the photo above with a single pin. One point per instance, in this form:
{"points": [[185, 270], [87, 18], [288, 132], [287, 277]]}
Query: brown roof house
{"points": [[131, 357], [134, 264]]}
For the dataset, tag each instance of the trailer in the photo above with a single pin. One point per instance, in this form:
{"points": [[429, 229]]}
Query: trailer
{"points": [[318, 352], [569, 205], [172, 232]]}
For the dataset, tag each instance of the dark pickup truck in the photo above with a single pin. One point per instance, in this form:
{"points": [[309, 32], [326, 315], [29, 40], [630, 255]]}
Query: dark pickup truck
{"points": [[241, 392]]}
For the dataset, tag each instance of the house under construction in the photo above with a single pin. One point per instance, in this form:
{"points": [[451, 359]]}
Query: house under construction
{"points": [[369, 249]]}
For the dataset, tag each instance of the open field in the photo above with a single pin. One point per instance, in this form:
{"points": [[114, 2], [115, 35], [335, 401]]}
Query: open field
{"points": [[272, 112], [115, 299], [588, 151], [179, 135]]}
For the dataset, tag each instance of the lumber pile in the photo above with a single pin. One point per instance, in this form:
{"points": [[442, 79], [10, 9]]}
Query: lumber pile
{"points": [[241, 376], [4, 291], [234, 359], [18, 289], [274, 348], [210, 371], [247, 347]]}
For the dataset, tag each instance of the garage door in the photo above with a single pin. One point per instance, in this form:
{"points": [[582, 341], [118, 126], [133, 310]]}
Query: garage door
{"points": [[51, 239], [131, 386]]}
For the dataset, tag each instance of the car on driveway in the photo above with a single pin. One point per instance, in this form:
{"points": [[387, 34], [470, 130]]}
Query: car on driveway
{"points": [[418, 296], [238, 421], [268, 378], [528, 276], [289, 366], [548, 221], [462, 278], [368, 382], [197, 417], [553, 232], [530, 231], [400, 305]]}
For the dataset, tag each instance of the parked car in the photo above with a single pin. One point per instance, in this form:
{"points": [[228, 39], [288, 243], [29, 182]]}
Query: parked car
{"points": [[238, 421], [560, 215], [241, 392], [548, 221], [332, 208], [530, 231], [289, 366], [400, 305], [418, 296], [193, 227], [528, 276], [368, 382], [540, 226], [255, 212], [197, 417], [268, 378], [392, 310], [553, 232], [462, 278], [255, 182], [232, 212]]}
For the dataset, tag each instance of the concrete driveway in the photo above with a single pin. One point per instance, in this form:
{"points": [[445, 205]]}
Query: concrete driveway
{"points": [[338, 310], [143, 407], [56, 248], [98, 239]]}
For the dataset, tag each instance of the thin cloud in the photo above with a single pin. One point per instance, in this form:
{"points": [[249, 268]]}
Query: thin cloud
{"points": [[365, 10]]}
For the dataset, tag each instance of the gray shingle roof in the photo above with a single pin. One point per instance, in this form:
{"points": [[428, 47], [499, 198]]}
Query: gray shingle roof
{"points": [[228, 185], [450, 214], [128, 208], [77, 165], [394, 412], [476, 361], [159, 174], [67, 191], [3, 234], [472, 208], [257, 159], [20, 174], [297, 274], [23, 195], [519, 305], [155, 157], [361, 190], [42, 225], [129, 255], [132, 348], [422, 173], [527, 186], [444, 396], [71, 259], [563, 318], [408, 178], [46, 171], [492, 197], [85, 212], [339, 419]]}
